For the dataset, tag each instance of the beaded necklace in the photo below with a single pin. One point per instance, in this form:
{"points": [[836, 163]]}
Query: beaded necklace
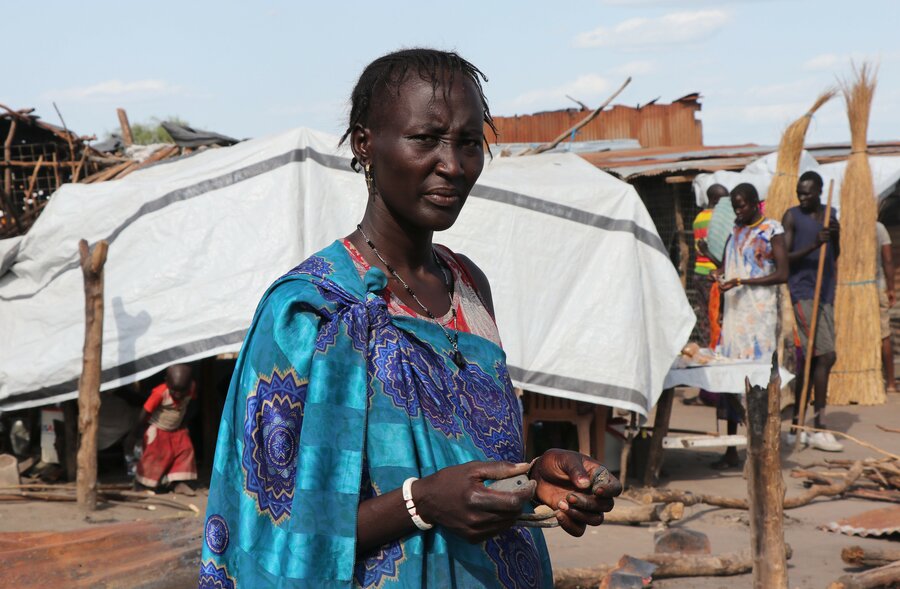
{"points": [[457, 356]]}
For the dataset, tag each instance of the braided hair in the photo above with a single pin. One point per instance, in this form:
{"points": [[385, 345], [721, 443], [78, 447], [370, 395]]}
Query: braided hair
{"points": [[390, 71]]}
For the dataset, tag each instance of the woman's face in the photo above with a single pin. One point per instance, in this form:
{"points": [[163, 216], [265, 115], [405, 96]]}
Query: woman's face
{"points": [[745, 209], [426, 149]]}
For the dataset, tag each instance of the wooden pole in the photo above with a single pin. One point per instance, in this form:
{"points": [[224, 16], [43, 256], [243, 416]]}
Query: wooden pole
{"points": [[127, 137], [811, 340], [684, 252], [660, 431], [568, 132], [92, 261], [765, 485]]}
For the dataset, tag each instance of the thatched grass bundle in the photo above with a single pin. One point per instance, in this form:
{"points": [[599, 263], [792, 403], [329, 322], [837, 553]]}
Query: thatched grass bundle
{"points": [[856, 378], [782, 193]]}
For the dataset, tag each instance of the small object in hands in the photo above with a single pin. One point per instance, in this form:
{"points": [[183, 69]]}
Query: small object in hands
{"points": [[543, 516], [599, 479], [510, 484]]}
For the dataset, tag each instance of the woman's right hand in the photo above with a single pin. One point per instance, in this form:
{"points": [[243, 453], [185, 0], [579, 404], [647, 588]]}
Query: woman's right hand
{"points": [[457, 499]]}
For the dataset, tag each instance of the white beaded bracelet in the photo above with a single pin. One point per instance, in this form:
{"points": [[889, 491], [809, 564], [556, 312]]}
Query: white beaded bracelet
{"points": [[411, 506]]}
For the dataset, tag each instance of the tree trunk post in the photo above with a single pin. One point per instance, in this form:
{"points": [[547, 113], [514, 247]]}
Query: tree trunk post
{"points": [[765, 484], [92, 261]]}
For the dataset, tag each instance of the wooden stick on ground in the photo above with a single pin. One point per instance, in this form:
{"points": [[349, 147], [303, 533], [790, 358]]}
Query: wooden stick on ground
{"points": [[765, 485], [892, 430], [886, 576], [870, 557], [688, 498], [92, 261], [568, 133], [814, 320], [668, 566], [627, 514]]}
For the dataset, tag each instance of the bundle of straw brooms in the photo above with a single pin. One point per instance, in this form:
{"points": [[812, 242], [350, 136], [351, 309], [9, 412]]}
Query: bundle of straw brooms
{"points": [[856, 377]]}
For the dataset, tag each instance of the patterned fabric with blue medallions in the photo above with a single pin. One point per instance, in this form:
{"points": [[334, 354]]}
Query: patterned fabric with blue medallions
{"points": [[334, 401]]}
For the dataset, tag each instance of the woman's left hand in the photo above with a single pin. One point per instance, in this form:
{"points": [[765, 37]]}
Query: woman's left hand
{"points": [[728, 285], [564, 482]]}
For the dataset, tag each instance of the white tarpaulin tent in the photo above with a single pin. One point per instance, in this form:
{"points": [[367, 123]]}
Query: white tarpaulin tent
{"points": [[588, 302], [885, 175]]}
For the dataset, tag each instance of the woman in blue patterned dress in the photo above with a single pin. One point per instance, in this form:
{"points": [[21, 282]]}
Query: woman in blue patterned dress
{"points": [[755, 264], [371, 400]]}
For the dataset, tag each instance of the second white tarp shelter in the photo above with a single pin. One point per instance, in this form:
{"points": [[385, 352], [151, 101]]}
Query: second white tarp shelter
{"points": [[588, 303]]}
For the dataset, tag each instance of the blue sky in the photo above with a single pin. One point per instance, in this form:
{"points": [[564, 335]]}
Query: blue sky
{"points": [[252, 69]]}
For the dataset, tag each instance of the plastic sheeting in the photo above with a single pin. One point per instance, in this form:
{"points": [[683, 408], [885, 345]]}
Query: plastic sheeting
{"points": [[588, 303], [885, 175]]}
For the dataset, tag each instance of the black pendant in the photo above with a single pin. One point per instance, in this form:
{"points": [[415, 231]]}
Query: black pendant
{"points": [[458, 359]]}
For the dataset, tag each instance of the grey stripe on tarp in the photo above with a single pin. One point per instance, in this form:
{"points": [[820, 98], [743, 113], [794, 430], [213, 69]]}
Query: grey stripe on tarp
{"points": [[201, 188], [131, 368], [571, 214], [565, 383], [341, 163]]}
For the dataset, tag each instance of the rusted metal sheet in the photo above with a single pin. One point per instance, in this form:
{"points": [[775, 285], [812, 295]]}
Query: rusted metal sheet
{"points": [[653, 125], [629, 164], [145, 554], [877, 522]]}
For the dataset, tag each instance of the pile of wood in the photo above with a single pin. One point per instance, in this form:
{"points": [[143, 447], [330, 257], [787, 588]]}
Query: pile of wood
{"points": [[38, 157], [886, 571], [878, 479]]}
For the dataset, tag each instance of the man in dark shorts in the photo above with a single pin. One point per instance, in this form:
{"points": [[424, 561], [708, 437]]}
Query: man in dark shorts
{"points": [[804, 233]]}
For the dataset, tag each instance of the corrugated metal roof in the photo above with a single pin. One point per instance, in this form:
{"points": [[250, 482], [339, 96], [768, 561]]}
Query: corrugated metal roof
{"points": [[660, 161], [878, 522], [653, 125]]}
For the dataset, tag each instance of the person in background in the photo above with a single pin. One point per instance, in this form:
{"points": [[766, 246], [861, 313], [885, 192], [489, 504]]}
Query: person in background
{"points": [[168, 454], [886, 300], [709, 297], [720, 228], [755, 264], [804, 230], [705, 264]]}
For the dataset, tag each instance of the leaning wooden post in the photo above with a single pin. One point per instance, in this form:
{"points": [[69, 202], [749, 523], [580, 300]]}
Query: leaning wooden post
{"points": [[765, 483], [92, 261], [127, 137], [660, 431]]}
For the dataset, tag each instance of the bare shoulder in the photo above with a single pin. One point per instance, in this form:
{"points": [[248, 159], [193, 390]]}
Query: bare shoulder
{"points": [[787, 220], [481, 281]]}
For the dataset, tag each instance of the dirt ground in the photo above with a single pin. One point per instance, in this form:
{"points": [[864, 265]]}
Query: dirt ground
{"points": [[815, 563], [816, 560]]}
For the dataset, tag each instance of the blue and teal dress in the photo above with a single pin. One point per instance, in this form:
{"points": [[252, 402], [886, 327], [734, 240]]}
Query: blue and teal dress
{"points": [[340, 393]]}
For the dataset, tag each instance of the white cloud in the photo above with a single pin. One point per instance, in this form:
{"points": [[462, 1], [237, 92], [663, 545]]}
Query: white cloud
{"points": [[835, 61], [634, 68], [586, 88], [826, 61], [670, 29], [114, 89]]}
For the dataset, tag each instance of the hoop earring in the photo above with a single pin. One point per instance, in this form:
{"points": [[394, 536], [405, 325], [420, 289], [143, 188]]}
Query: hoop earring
{"points": [[370, 178]]}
